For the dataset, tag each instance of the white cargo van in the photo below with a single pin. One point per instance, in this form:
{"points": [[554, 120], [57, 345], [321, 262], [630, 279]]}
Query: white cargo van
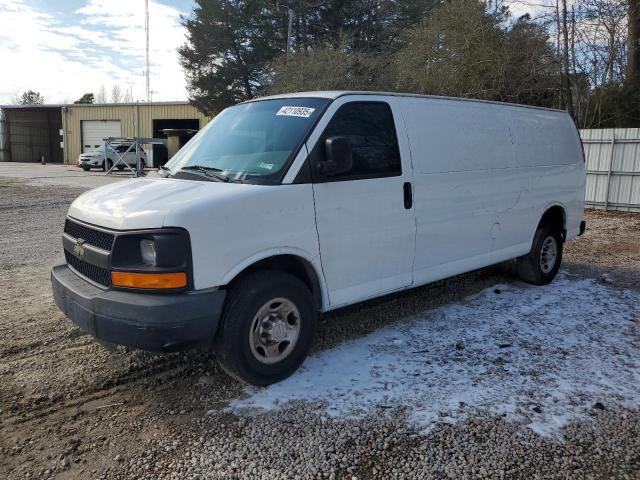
{"points": [[287, 206]]}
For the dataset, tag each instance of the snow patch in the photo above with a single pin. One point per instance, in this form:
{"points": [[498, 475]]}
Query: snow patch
{"points": [[542, 356]]}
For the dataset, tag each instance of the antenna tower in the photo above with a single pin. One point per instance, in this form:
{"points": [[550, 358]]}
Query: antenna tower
{"points": [[147, 72]]}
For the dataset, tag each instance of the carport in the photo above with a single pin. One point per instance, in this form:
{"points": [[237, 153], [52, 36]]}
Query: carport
{"points": [[61, 133], [30, 132]]}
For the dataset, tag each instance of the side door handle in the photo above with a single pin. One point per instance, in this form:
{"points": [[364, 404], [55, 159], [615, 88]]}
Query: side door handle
{"points": [[408, 195]]}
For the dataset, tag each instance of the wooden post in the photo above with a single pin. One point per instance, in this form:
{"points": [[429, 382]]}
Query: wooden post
{"points": [[606, 198]]}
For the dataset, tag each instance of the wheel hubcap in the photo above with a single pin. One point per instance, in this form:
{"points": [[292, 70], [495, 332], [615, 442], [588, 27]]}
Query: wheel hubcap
{"points": [[274, 331], [548, 254]]}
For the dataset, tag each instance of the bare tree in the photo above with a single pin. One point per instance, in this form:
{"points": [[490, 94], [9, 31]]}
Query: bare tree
{"points": [[127, 97], [101, 96], [592, 42], [15, 98], [601, 40], [116, 94]]}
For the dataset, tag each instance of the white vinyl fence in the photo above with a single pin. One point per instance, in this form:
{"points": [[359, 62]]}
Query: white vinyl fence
{"points": [[613, 168]]}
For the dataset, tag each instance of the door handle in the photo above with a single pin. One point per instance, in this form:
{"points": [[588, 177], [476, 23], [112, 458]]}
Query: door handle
{"points": [[408, 195]]}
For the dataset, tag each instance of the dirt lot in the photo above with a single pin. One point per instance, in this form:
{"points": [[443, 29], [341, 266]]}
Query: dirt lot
{"points": [[71, 409]]}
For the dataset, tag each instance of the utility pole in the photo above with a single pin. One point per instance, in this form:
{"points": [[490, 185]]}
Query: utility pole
{"points": [[289, 29], [565, 51], [303, 7], [146, 30], [633, 55]]}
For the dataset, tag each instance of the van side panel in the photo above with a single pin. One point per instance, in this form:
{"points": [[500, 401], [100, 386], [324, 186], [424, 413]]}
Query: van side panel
{"points": [[484, 176], [453, 145], [550, 155], [547, 170]]}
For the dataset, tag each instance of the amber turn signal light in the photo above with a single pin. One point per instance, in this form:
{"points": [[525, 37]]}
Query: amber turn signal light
{"points": [[149, 280]]}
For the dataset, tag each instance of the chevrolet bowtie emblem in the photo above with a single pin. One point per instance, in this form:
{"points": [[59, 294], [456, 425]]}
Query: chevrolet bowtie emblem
{"points": [[78, 248]]}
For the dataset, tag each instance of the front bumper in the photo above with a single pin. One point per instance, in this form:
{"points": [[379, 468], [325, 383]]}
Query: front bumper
{"points": [[149, 321], [91, 161]]}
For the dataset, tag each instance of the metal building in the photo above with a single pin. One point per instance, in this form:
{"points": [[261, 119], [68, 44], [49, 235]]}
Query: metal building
{"points": [[27, 133], [61, 132], [613, 168]]}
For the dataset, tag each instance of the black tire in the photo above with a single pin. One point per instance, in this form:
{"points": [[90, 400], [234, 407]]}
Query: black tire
{"points": [[531, 268], [86, 168], [245, 299], [143, 164], [106, 165], [120, 167]]}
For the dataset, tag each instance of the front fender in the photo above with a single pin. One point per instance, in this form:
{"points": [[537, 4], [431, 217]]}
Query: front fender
{"points": [[314, 261]]}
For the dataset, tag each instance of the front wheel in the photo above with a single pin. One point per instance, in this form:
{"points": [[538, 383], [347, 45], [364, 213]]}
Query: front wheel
{"points": [[542, 263], [267, 327]]}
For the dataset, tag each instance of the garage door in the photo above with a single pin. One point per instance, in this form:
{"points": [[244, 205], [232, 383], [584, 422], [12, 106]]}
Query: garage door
{"points": [[93, 131]]}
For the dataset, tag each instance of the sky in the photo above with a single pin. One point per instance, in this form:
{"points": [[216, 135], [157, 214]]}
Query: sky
{"points": [[65, 48]]}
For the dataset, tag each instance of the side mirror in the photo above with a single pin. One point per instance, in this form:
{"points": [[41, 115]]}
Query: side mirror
{"points": [[338, 157]]}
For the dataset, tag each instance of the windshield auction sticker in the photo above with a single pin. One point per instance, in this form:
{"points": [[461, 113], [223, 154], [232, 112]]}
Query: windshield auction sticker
{"points": [[304, 112]]}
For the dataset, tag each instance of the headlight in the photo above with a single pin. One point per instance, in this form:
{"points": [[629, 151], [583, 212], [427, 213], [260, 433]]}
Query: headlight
{"points": [[152, 259], [148, 252]]}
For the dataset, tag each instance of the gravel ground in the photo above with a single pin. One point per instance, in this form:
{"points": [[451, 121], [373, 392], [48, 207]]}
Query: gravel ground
{"points": [[72, 409]]}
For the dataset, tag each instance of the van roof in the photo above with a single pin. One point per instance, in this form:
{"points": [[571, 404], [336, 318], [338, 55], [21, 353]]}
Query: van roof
{"points": [[333, 94]]}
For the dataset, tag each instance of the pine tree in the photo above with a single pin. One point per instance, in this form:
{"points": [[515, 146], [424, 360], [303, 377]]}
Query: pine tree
{"points": [[230, 44], [31, 97], [86, 98]]}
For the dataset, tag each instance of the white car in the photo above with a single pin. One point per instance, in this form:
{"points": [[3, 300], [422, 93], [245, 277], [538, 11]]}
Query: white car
{"points": [[96, 159], [287, 206]]}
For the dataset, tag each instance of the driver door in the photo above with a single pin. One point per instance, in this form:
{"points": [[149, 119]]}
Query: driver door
{"points": [[365, 219]]}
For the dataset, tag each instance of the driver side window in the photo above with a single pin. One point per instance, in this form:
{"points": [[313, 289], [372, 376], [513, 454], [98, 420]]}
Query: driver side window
{"points": [[370, 128]]}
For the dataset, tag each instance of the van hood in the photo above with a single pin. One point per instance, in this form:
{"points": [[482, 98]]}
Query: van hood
{"points": [[145, 203]]}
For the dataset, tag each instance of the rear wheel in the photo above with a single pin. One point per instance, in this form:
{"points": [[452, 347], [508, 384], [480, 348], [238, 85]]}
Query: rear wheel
{"points": [[267, 327], [120, 167], [542, 263]]}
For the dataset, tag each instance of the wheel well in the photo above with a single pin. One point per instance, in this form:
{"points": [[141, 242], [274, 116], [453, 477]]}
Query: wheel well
{"points": [[293, 265], [554, 216]]}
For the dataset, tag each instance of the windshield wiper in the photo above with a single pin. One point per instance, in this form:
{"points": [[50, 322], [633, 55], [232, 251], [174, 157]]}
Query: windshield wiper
{"points": [[209, 172]]}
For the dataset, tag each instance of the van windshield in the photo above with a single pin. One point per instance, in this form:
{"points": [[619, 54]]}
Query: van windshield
{"points": [[249, 142]]}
